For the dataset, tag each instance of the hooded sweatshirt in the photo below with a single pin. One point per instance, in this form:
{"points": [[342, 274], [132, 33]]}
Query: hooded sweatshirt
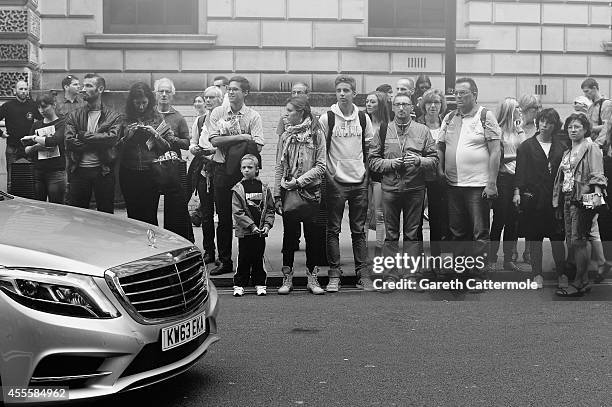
{"points": [[345, 161]]}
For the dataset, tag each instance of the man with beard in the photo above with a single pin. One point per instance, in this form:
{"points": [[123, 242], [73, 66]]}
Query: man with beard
{"points": [[91, 135], [18, 115]]}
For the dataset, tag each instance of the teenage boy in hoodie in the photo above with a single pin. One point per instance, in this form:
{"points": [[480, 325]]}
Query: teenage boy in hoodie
{"points": [[253, 209], [348, 141]]}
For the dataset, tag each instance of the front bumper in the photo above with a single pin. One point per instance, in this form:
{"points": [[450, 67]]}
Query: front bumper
{"points": [[99, 357]]}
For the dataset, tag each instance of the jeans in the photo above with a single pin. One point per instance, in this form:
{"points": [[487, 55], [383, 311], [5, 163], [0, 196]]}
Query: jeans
{"points": [[291, 231], [85, 180], [207, 208], [504, 218], [50, 184], [250, 261], [357, 197], [437, 203], [468, 217], [410, 205]]}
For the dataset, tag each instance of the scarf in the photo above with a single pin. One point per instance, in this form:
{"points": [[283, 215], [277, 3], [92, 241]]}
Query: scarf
{"points": [[294, 136]]}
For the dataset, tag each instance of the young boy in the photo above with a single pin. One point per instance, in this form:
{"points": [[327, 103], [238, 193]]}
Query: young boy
{"points": [[253, 209]]}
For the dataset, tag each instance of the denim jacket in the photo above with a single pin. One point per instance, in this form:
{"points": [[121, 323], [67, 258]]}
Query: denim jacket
{"points": [[588, 173]]}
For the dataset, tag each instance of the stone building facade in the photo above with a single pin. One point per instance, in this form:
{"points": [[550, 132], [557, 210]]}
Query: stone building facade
{"points": [[510, 47]]}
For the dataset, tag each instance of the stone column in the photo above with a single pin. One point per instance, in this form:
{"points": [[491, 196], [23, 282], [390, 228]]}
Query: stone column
{"points": [[19, 50]]}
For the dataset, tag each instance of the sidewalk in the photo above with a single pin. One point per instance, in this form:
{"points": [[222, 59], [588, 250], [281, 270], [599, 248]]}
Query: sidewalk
{"points": [[273, 257]]}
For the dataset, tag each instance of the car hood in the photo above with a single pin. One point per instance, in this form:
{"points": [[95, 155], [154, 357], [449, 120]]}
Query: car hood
{"points": [[43, 235]]}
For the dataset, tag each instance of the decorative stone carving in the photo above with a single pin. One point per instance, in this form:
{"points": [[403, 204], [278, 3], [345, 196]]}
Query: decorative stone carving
{"points": [[14, 21], [8, 80], [13, 52], [34, 24]]}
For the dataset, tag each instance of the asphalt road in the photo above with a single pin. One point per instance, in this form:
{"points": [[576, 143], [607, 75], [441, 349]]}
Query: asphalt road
{"points": [[353, 348]]}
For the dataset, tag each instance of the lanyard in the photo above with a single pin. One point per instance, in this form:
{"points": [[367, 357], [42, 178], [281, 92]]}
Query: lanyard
{"points": [[406, 127]]}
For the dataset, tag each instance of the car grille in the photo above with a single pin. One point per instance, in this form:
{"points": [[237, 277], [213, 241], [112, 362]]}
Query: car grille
{"points": [[162, 287]]}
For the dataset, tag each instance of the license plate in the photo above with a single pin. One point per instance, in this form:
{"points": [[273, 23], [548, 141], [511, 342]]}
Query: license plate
{"points": [[178, 334]]}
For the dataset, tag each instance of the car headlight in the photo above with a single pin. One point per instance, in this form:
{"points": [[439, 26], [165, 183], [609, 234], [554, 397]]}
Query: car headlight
{"points": [[56, 292]]}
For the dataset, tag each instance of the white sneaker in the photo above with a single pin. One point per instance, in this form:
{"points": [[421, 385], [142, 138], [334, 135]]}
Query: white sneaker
{"points": [[333, 286], [539, 280], [261, 289], [238, 291]]}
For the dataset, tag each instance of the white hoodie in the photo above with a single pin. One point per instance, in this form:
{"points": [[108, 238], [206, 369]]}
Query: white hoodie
{"points": [[345, 154]]}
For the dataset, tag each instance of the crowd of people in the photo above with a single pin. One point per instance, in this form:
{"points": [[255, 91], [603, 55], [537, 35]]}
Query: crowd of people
{"points": [[403, 154]]}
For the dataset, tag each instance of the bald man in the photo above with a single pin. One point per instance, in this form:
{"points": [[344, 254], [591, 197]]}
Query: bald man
{"points": [[19, 115], [406, 86]]}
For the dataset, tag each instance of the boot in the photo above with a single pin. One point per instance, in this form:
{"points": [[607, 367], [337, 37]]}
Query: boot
{"points": [[313, 284], [287, 280]]}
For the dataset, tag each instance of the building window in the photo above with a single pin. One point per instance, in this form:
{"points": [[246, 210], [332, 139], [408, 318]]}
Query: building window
{"points": [[150, 17], [406, 18]]}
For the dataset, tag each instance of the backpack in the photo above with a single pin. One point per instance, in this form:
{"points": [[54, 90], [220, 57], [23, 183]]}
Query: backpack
{"points": [[483, 120], [331, 121], [600, 103]]}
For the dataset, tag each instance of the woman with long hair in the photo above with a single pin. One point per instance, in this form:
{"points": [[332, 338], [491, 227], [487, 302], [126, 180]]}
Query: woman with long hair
{"points": [[46, 150], [140, 143], [577, 194], [376, 108], [300, 164], [433, 106], [504, 213], [537, 161]]}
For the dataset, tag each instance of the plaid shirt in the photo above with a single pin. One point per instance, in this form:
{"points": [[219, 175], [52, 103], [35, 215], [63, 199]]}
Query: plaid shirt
{"points": [[250, 123]]}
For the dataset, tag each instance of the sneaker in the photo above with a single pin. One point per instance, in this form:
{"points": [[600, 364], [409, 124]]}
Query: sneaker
{"points": [[334, 285], [563, 281], [365, 284], [539, 280], [260, 289], [238, 291]]}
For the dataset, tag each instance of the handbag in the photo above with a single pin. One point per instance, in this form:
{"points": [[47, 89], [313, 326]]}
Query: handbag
{"points": [[300, 204], [166, 172]]}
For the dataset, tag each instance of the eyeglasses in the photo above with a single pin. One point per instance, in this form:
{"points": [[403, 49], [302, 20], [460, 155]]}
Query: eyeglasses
{"points": [[461, 93], [402, 105], [433, 103]]}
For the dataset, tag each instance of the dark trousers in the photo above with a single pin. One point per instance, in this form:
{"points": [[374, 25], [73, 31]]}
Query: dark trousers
{"points": [[11, 154], [357, 197], [437, 204], [84, 181], [51, 185], [207, 208], [250, 261], [408, 205], [223, 184], [541, 224], [291, 232], [468, 218], [504, 218], [605, 216], [141, 195]]}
